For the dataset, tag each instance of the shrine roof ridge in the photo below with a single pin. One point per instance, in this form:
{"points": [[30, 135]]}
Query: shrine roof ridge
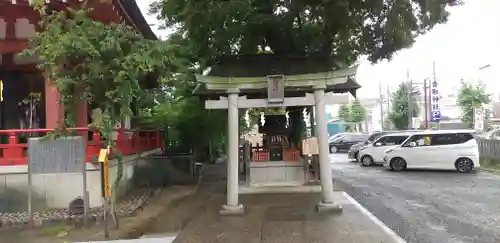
{"points": [[349, 86], [260, 65]]}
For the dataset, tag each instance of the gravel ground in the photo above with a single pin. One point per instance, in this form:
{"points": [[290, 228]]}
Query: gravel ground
{"points": [[64, 232], [426, 206], [126, 207]]}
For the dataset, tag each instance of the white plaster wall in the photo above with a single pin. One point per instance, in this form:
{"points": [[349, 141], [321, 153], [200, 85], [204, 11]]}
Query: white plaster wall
{"points": [[24, 29]]}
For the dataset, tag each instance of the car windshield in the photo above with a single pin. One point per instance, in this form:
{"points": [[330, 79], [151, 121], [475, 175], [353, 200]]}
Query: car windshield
{"points": [[353, 138], [335, 137], [374, 137], [363, 137]]}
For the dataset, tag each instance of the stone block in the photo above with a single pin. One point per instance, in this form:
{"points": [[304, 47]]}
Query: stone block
{"points": [[333, 207], [232, 210]]}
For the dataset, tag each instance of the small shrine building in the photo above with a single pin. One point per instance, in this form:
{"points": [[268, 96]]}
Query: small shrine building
{"points": [[271, 81]]}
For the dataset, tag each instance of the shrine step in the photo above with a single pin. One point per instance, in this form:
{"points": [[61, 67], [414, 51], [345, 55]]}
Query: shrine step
{"points": [[245, 189]]}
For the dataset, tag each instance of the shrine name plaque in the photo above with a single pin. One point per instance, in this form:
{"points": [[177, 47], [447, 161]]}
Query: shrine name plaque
{"points": [[276, 148], [310, 146], [276, 89]]}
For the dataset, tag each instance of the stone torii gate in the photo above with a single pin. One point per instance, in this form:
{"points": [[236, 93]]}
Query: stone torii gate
{"points": [[241, 82]]}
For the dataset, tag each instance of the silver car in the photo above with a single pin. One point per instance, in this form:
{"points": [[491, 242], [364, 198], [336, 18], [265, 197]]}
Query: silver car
{"points": [[352, 154]]}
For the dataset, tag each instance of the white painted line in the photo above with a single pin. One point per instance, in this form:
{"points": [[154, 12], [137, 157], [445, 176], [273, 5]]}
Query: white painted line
{"points": [[375, 220], [141, 240]]}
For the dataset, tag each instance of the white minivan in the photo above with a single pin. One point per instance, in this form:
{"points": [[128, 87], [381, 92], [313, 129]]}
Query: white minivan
{"points": [[373, 153], [439, 149]]}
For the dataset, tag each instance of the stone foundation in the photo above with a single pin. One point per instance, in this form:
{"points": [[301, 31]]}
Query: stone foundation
{"points": [[58, 190]]}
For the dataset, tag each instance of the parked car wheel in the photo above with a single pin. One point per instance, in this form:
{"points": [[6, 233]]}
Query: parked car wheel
{"points": [[398, 164], [333, 149], [464, 165], [367, 160]]}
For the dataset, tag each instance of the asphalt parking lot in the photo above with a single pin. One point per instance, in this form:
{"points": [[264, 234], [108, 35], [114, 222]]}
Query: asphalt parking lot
{"points": [[426, 206]]}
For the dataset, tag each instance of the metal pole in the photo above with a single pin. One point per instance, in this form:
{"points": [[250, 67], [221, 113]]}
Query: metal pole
{"points": [[85, 192], [104, 201], [388, 102], [30, 195], [381, 105], [410, 105], [434, 79], [426, 123], [210, 158]]}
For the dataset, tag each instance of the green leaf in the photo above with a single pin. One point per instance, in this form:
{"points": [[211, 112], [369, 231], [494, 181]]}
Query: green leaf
{"points": [[470, 97], [343, 30], [399, 106]]}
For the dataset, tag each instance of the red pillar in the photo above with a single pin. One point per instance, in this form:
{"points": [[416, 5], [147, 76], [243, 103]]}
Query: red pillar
{"points": [[54, 112], [81, 115]]}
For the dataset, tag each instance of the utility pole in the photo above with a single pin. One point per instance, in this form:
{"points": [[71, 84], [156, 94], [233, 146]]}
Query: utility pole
{"points": [[426, 106], [388, 98], [434, 80], [388, 101], [381, 105], [410, 105]]}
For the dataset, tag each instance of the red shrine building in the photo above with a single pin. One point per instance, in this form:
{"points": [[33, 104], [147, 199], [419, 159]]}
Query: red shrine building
{"points": [[29, 104], [19, 75], [29, 108]]}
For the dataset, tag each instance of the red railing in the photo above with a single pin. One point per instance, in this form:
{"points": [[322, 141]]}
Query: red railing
{"points": [[128, 141], [288, 155]]}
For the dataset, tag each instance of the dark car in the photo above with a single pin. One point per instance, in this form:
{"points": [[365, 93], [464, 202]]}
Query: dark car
{"points": [[344, 142], [352, 154]]}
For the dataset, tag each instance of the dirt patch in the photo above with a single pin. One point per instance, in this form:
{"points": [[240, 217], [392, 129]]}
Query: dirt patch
{"points": [[137, 226], [130, 227]]}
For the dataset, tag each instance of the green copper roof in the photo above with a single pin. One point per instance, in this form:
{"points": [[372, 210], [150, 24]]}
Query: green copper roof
{"points": [[249, 75]]}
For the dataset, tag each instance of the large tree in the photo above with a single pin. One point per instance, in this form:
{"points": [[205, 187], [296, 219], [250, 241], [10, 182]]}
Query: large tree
{"points": [[342, 29], [188, 125], [345, 113], [358, 111], [101, 64], [358, 114], [469, 97], [400, 106]]}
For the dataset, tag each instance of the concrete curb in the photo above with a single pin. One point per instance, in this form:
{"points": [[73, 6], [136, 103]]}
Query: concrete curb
{"points": [[374, 219]]}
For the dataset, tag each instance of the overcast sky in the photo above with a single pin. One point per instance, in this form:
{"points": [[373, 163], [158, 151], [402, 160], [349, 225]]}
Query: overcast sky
{"points": [[470, 40]]}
